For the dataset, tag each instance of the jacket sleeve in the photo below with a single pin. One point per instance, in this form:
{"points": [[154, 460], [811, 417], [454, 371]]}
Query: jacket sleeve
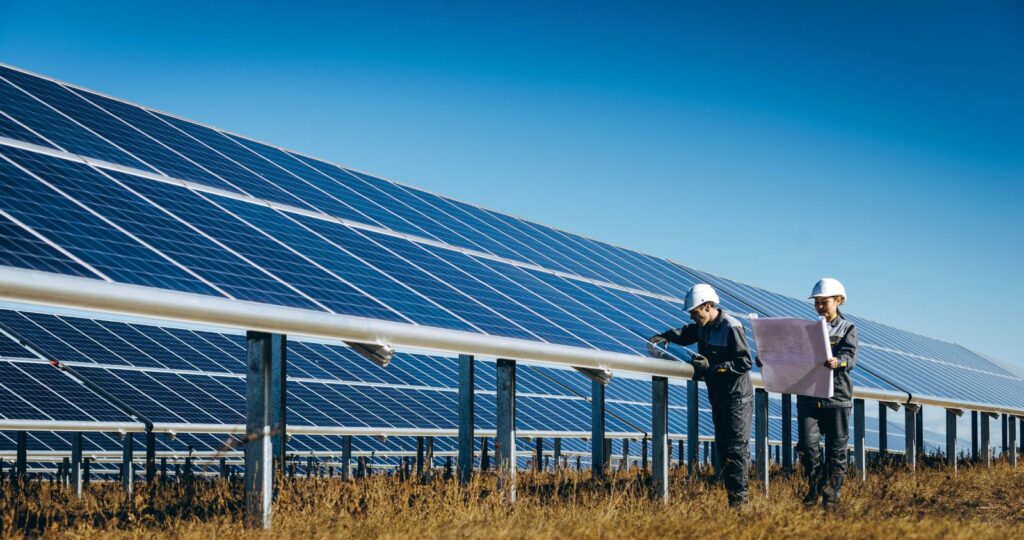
{"points": [[684, 336], [738, 350], [846, 349]]}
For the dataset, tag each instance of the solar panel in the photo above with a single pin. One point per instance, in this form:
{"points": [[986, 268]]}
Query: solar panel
{"points": [[177, 205]]}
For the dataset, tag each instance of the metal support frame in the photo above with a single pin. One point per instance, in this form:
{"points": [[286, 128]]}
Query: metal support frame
{"points": [[598, 457], [951, 418], [21, 459], [761, 436], [1003, 421], [787, 433], [86, 476], [485, 456], [859, 432], [538, 454], [420, 455], [643, 453], [505, 442], [624, 461], [1011, 449], [883, 429], [692, 426], [919, 431], [278, 400], [346, 457], [428, 459], [163, 470], [556, 454], [127, 463], [466, 417], [76, 464], [150, 456], [659, 432], [910, 430], [985, 445], [259, 465], [974, 437]]}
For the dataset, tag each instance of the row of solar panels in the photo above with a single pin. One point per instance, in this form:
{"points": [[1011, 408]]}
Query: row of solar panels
{"points": [[329, 386], [341, 241]]}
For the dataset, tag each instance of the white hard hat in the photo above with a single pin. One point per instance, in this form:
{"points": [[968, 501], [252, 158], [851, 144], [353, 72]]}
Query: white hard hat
{"points": [[828, 287], [699, 294]]}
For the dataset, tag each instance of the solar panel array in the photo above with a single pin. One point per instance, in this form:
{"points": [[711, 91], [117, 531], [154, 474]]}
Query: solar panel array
{"points": [[172, 374], [100, 188]]}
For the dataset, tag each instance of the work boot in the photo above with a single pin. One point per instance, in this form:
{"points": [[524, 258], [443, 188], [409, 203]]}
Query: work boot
{"points": [[830, 498], [812, 497]]}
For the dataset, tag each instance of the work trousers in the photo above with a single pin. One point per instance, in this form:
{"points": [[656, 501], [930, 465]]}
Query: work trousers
{"points": [[732, 419], [824, 476]]}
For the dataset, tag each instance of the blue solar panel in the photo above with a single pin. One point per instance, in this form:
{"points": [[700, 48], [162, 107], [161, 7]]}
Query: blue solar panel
{"points": [[138, 230]]}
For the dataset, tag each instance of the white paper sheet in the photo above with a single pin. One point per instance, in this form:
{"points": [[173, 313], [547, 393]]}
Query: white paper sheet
{"points": [[793, 352]]}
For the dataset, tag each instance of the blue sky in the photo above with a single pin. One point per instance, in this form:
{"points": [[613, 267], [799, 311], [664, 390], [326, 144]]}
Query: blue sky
{"points": [[878, 144]]}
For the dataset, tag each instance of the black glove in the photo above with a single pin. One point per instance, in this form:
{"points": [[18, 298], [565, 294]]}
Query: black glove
{"points": [[700, 365], [757, 360]]}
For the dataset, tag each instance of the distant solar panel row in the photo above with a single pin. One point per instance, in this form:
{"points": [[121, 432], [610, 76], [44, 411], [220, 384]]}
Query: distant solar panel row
{"points": [[186, 207]]}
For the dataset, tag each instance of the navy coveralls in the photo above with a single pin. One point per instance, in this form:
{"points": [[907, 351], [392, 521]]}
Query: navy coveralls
{"points": [[724, 344], [829, 416]]}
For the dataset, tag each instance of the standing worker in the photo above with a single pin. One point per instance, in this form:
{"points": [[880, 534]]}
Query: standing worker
{"points": [[830, 416], [723, 361]]}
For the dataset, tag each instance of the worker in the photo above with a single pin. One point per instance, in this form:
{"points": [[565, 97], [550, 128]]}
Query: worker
{"points": [[723, 361], [828, 416]]}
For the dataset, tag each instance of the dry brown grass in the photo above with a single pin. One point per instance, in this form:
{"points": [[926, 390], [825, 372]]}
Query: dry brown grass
{"points": [[977, 503]]}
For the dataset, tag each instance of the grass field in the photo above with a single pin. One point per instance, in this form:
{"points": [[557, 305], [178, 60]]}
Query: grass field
{"points": [[977, 503]]}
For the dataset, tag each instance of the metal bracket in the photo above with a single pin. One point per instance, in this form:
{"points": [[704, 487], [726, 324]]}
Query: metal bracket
{"points": [[891, 405], [958, 412], [378, 354], [600, 376]]}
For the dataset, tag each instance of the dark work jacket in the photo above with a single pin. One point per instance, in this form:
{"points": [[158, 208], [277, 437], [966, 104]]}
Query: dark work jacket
{"points": [[724, 344], [842, 335]]}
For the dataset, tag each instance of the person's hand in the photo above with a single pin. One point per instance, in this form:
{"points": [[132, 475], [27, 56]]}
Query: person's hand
{"points": [[700, 364], [832, 363], [757, 360], [652, 346]]}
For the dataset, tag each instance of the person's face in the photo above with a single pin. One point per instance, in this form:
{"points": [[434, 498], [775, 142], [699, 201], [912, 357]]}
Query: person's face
{"points": [[702, 314], [828, 306]]}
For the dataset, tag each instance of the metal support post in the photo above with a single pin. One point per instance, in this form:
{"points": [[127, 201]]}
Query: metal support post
{"points": [[21, 456], [919, 431], [466, 417], [883, 429], [1011, 449], [556, 454], [76, 463], [505, 443], [985, 447], [598, 457], [787, 433], [624, 462], [761, 436], [692, 426], [859, 432], [538, 458], [485, 456], [150, 456], [278, 401], [127, 463], [951, 416], [346, 457], [910, 429], [659, 431], [974, 436], [259, 464], [420, 455]]}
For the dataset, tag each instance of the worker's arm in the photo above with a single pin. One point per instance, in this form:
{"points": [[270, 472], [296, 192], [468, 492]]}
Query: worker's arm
{"points": [[737, 349], [684, 336], [846, 350]]}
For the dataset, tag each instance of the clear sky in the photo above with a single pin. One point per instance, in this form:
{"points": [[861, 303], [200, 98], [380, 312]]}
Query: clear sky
{"points": [[770, 143]]}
